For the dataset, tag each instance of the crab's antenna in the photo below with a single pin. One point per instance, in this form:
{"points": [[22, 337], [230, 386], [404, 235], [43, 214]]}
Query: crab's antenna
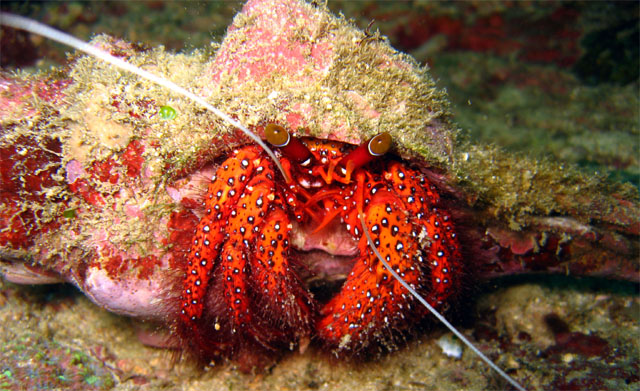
{"points": [[32, 26], [435, 312]]}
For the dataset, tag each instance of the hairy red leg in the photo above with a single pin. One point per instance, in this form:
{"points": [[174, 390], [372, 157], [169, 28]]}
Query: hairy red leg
{"points": [[244, 223], [437, 236], [443, 256], [417, 241], [222, 196], [264, 297], [282, 297]]}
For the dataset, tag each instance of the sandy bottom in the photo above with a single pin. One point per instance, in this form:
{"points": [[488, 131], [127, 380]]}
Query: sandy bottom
{"points": [[54, 338]]}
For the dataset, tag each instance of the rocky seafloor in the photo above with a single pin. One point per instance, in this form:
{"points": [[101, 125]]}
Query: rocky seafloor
{"points": [[55, 338]]}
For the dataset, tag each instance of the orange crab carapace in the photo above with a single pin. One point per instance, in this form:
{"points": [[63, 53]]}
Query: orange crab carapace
{"points": [[242, 283]]}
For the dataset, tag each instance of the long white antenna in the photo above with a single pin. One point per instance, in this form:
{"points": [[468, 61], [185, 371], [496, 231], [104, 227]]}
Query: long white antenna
{"points": [[435, 312], [32, 26]]}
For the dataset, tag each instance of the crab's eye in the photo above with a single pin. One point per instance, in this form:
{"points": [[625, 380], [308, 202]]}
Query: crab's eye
{"points": [[380, 144], [277, 135], [290, 146], [366, 152]]}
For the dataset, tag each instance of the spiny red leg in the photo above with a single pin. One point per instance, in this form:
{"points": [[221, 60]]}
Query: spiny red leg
{"points": [[371, 302], [222, 196], [443, 254], [245, 222], [437, 235], [415, 238], [280, 291], [264, 297]]}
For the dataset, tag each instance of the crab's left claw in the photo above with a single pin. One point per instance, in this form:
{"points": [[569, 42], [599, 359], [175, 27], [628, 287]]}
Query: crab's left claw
{"points": [[371, 300], [419, 244]]}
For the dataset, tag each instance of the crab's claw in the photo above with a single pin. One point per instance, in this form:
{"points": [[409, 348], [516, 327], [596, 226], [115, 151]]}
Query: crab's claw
{"points": [[371, 300], [419, 244]]}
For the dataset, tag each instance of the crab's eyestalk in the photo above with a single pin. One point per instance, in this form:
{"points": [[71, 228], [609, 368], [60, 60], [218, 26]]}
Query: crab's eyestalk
{"points": [[290, 146], [366, 152]]}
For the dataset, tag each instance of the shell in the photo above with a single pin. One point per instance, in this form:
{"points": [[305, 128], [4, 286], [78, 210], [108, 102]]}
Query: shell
{"points": [[313, 72]]}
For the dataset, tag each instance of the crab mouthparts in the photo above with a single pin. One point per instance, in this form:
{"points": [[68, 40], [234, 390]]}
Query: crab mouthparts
{"points": [[328, 255]]}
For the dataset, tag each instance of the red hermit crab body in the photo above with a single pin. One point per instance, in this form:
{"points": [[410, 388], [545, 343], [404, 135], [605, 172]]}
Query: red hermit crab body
{"points": [[242, 283]]}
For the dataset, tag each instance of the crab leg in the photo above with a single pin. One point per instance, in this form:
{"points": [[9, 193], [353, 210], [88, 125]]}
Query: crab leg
{"points": [[282, 296], [221, 198], [259, 283], [417, 241], [436, 235], [245, 221]]}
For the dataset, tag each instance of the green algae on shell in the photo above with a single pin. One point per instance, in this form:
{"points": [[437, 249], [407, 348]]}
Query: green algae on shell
{"points": [[372, 88], [363, 77]]}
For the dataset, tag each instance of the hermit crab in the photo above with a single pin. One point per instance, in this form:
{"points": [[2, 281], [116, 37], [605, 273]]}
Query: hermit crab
{"points": [[245, 235], [184, 220]]}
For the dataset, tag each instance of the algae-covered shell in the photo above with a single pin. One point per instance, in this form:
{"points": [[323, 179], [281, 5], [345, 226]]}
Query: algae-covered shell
{"points": [[318, 75], [101, 136], [120, 165], [309, 70], [322, 77]]}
